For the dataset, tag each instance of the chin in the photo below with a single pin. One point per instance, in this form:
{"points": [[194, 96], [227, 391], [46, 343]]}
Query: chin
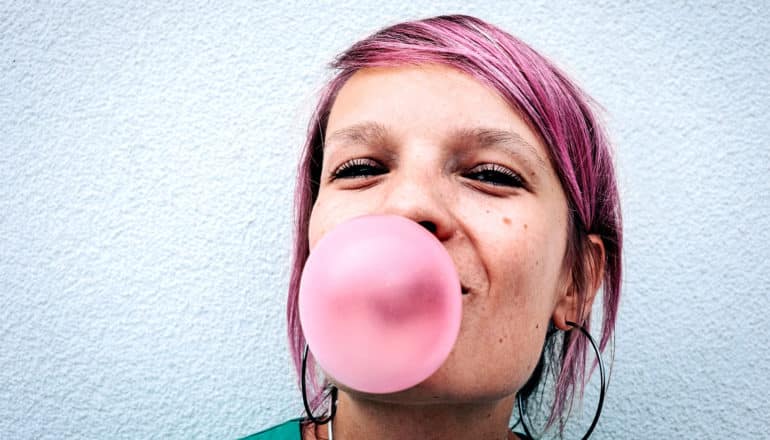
{"points": [[442, 389]]}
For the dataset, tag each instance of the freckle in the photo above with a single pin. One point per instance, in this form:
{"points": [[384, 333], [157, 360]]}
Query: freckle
{"points": [[501, 340], [506, 220], [525, 226], [537, 326]]}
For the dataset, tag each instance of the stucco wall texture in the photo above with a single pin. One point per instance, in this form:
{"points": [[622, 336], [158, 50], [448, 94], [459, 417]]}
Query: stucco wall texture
{"points": [[147, 158]]}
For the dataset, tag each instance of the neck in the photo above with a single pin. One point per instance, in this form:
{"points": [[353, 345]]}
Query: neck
{"points": [[362, 418]]}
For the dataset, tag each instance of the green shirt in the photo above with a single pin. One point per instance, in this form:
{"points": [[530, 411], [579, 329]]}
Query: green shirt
{"points": [[291, 431], [286, 431]]}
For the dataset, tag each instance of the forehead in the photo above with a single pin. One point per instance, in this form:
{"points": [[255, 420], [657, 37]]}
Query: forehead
{"points": [[426, 100], [429, 103]]}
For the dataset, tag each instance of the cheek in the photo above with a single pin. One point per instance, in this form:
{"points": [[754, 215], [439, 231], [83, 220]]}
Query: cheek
{"points": [[524, 263], [320, 219], [545, 267], [319, 223], [329, 211]]}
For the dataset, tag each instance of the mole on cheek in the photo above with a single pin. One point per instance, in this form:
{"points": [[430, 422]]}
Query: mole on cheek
{"points": [[506, 220]]}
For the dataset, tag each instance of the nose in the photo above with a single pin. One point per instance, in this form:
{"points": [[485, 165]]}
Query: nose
{"points": [[422, 199]]}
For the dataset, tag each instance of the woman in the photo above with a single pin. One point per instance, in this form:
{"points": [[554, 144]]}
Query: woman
{"points": [[464, 129]]}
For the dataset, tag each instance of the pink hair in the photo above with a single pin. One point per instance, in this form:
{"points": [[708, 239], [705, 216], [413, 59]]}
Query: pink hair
{"points": [[556, 109]]}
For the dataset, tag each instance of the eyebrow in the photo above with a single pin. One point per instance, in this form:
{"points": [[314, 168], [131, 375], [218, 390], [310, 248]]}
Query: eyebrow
{"points": [[374, 133], [361, 133], [504, 140]]}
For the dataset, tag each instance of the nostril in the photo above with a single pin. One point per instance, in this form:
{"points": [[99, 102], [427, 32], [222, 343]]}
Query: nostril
{"points": [[429, 226]]}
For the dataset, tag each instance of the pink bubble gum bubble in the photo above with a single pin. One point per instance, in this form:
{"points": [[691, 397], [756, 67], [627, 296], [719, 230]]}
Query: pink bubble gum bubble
{"points": [[380, 303]]}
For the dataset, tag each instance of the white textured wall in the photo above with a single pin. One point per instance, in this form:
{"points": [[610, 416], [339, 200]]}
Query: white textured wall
{"points": [[146, 163]]}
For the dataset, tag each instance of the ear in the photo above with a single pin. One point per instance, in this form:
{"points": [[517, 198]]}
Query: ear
{"points": [[586, 276]]}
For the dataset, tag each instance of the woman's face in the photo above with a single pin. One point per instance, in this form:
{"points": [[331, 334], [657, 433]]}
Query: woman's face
{"points": [[434, 145]]}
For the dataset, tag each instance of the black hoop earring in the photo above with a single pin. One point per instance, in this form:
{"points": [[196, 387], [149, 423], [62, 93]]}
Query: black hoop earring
{"points": [[602, 391], [333, 393]]}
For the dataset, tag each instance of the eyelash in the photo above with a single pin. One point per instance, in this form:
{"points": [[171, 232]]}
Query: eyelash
{"points": [[492, 174], [358, 168], [497, 175]]}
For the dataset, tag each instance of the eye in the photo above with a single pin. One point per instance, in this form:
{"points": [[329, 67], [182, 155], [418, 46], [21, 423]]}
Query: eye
{"points": [[496, 175], [362, 167]]}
